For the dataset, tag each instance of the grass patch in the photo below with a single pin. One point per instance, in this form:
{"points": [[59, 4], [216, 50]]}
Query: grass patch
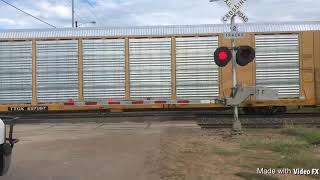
{"points": [[310, 135], [226, 152], [266, 159], [285, 148], [303, 159], [274, 143], [254, 176], [253, 165]]}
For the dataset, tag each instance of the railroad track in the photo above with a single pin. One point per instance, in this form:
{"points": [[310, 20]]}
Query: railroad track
{"points": [[262, 121], [205, 119], [74, 117]]}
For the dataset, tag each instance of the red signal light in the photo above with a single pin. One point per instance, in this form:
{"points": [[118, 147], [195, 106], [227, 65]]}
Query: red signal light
{"points": [[222, 56]]}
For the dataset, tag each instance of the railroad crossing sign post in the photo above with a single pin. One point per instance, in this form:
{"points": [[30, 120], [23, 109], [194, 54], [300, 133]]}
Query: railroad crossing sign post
{"points": [[236, 125], [234, 10]]}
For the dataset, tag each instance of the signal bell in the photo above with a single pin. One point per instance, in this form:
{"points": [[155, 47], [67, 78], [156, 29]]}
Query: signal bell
{"points": [[245, 55], [222, 56]]}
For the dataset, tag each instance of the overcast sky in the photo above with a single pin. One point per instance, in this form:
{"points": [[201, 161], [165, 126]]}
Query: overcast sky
{"points": [[150, 12]]}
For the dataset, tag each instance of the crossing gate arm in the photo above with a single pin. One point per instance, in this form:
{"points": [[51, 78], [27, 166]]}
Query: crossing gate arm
{"points": [[243, 93]]}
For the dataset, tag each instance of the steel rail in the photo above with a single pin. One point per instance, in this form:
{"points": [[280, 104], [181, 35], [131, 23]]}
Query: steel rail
{"points": [[206, 119]]}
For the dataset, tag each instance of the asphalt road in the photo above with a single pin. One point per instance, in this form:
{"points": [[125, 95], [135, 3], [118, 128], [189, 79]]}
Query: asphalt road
{"points": [[95, 151]]}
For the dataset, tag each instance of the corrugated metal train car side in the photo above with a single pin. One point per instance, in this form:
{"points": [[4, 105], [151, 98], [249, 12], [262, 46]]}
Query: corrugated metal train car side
{"points": [[317, 64], [150, 72]]}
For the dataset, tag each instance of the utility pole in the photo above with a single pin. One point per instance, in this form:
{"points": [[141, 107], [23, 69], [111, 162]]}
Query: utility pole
{"points": [[72, 13]]}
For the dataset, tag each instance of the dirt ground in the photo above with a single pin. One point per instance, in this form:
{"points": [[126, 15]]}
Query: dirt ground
{"points": [[191, 154], [135, 151]]}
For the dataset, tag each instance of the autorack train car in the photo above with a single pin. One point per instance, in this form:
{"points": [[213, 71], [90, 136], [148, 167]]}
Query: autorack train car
{"points": [[154, 67]]}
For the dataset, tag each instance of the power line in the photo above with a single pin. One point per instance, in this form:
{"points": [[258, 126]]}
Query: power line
{"points": [[90, 3], [91, 6], [28, 14], [67, 3]]}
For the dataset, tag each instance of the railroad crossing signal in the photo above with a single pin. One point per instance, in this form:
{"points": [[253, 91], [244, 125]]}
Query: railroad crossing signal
{"points": [[244, 56], [222, 56]]}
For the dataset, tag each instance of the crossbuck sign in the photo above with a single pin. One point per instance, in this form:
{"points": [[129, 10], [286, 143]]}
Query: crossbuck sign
{"points": [[234, 9]]}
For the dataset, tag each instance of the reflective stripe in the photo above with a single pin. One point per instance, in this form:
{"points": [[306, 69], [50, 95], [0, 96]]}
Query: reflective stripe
{"points": [[160, 102], [137, 102], [70, 102], [115, 102], [91, 103], [183, 101]]}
